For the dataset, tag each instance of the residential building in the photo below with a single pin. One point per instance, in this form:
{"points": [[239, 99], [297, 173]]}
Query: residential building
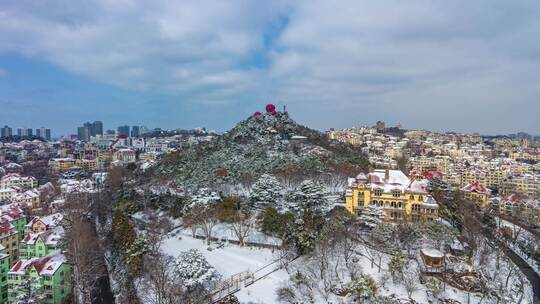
{"points": [[39, 244], [4, 269], [521, 207], [30, 198], [12, 180], [9, 239], [125, 156], [87, 164], [123, 130], [6, 131], [477, 193], [527, 184], [135, 131], [24, 132], [49, 276], [400, 198], [44, 133], [57, 165], [6, 194], [83, 133], [97, 128], [44, 223]]}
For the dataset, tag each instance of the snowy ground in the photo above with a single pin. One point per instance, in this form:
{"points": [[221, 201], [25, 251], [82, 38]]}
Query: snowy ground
{"points": [[387, 287], [224, 232], [233, 259]]}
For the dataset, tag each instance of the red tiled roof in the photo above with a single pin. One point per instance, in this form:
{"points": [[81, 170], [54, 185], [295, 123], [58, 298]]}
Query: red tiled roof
{"points": [[432, 174], [17, 266], [5, 226], [475, 187], [516, 197], [39, 264]]}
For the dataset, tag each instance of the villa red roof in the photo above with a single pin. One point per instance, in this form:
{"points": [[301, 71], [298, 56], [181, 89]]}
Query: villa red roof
{"points": [[432, 174], [475, 187]]}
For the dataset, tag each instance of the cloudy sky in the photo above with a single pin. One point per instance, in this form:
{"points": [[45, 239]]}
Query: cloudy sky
{"points": [[443, 65]]}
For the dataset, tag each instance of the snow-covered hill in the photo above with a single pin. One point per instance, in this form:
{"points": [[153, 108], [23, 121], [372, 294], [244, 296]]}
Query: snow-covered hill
{"points": [[263, 143]]}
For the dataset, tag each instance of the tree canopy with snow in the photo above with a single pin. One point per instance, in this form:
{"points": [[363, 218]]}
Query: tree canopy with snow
{"points": [[266, 192], [308, 198], [194, 271], [203, 198], [372, 216]]}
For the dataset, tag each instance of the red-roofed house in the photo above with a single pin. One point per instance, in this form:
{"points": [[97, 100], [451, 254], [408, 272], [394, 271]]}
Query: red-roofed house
{"points": [[43, 223], [476, 192], [15, 179], [9, 238], [51, 275]]}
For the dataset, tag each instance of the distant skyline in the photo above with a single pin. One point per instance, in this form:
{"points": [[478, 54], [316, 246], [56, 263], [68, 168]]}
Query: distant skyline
{"points": [[465, 66]]}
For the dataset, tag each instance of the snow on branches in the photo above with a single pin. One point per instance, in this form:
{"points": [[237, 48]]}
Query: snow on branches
{"points": [[372, 216], [194, 271], [309, 198], [266, 192]]}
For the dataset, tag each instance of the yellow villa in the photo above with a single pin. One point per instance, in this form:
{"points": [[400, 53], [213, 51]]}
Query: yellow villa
{"points": [[476, 192], [400, 197]]}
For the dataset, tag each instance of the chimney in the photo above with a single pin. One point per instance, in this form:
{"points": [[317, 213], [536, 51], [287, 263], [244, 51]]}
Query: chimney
{"points": [[386, 175]]}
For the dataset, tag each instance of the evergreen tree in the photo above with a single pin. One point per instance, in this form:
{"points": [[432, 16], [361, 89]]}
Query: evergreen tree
{"points": [[194, 271], [362, 288], [266, 192], [310, 197], [396, 266], [372, 216]]}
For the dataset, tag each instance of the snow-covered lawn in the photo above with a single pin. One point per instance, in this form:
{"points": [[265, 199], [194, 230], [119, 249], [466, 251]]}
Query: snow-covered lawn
{"points": [[225, 232], [232, 259]]}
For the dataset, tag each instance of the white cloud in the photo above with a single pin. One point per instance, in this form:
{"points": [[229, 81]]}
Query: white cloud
{"points": [[374, 57]]}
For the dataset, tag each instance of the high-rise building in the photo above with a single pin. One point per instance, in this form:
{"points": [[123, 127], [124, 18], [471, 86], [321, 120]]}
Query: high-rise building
{"points": [[83, 133], [111, 132], [44, 133], [143, 130], [6, 131], [97, 128], [123, 130], [89, 129], [135, 131], [380, 126], [24, 131]]}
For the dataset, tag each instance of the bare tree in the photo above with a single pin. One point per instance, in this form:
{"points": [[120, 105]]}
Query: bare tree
{"points": [[158, 227], [189, 220], [242, 225], [204, 217], [410, 282], [83, 249], [160, 282]]}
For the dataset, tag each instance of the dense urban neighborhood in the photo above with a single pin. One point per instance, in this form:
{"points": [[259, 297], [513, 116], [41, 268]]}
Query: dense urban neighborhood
{"points": [[269, 212]]}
